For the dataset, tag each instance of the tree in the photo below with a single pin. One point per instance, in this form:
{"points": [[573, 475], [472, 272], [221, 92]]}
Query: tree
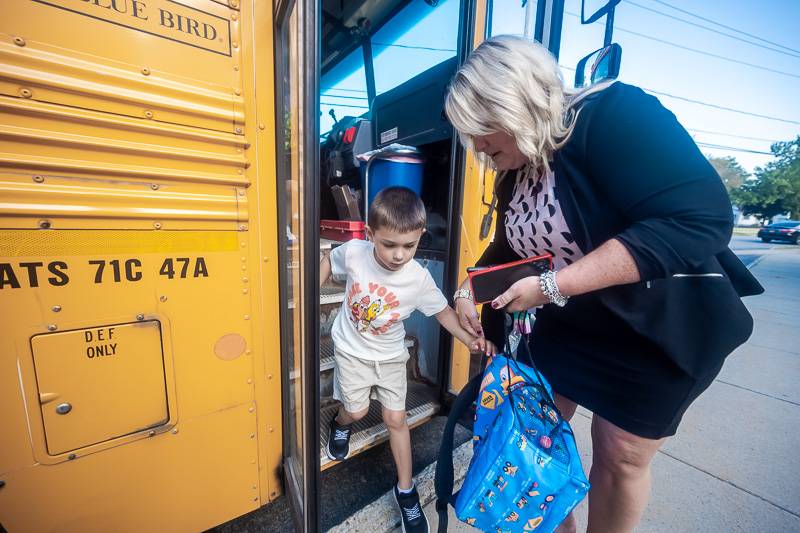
{"points": [[775, 189], [731, 172]]}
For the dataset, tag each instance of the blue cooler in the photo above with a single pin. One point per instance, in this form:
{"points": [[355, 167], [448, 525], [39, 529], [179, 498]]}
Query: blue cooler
{"points": [[391, 168]]}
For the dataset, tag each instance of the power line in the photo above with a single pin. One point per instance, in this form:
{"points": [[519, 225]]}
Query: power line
{"points": [[346, 90], [771, 141], [790, 54], [716, 56], [715, 106], [732, 148], [411, 47], [328, 95], [334, 104], [724, 26]]}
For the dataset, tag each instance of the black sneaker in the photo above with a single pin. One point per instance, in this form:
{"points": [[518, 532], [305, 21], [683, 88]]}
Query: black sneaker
{"points": [[414, 519], [338, 441]]}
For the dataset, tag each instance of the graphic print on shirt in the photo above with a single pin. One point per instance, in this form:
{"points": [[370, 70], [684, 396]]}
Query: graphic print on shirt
{"points": [[534, 220], [367, 306]]}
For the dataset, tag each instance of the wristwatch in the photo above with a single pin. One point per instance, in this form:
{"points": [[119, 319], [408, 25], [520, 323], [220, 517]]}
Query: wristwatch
{"points": [[462, 293]]}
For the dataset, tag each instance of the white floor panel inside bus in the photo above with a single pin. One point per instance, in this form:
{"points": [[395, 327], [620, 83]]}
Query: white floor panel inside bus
{"points": [[421, 405]]}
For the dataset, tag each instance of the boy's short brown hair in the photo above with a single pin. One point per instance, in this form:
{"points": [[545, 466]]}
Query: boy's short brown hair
{"points": [[396, 208]]}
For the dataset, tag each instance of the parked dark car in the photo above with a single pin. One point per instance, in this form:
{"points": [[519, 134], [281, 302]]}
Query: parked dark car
{"points": [[788, 230]]}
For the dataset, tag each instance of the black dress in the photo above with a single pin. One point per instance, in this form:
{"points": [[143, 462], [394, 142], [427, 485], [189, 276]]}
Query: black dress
{"points": [[631, 172]]}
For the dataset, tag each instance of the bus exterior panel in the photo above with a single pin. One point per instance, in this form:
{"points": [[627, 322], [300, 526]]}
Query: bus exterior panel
{"points": [[137, 226]]}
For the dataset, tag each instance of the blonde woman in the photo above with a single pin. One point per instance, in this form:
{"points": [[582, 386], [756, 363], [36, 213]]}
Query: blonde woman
{"points": [[644, 302]]}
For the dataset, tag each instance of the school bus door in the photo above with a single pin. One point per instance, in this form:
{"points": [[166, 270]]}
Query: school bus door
{"points": [[296, 104]]}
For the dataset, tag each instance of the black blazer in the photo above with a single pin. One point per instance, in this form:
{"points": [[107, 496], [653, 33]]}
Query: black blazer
{"points": [[630, 171]]}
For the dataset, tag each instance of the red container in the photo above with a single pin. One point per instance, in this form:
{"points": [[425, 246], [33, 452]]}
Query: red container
{"points": [[341, 230]]}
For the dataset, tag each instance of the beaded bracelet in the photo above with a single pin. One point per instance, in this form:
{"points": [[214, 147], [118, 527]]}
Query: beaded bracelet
{"points": [[547, 282]]}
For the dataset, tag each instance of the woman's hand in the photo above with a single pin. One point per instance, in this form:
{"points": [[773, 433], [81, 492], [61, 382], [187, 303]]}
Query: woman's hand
{"points": [[524, 294], [468, 316]]}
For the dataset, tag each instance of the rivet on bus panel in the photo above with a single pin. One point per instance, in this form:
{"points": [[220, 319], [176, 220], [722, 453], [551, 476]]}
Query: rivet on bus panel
{"points": [[154, 186], [146, 71], [239, 130], [38, 179], [151, 433], [148, 114], [252, 409], [244, 291], [237, 92], [157, 225], [255, 499], [44, 224], [252, 435], [245, 280], [236, 68], [249, 381], [19, 41], [261, 126], [174, 431], [241, 193], [72, 457], [271, 429], [273, 494], [239, 171], [235, 44], [140, 317], [163, 298], [25, 93], [243, 227], [52, 327], [234, 17], [255, 487], [269, 376], [56, 308], [234, 3], [247, 317]]}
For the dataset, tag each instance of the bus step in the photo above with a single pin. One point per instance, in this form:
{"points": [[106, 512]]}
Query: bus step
{"points": [[331, 293], [369, 431]]}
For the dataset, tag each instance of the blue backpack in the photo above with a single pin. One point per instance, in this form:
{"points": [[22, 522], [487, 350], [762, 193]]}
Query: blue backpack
{"points": [[525, 472]]}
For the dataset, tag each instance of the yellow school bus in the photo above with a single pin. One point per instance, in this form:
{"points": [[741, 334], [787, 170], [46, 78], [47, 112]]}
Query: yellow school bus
{"points": [[164, 356]]}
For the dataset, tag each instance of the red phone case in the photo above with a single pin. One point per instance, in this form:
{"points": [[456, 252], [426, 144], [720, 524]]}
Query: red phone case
{"points": [[488, 283]]}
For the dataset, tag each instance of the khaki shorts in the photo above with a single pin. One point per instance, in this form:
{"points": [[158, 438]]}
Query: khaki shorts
{"points": [[356, 380]]}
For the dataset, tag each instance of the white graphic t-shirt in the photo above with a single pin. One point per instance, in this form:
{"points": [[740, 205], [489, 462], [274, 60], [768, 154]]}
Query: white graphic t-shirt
{"points": [[377, 300]]}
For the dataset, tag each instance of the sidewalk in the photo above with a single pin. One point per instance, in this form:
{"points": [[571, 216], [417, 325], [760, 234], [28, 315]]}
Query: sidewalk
{"points": [[735, 463]]}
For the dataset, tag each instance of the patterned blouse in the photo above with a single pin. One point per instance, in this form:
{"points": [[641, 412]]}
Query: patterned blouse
{"points": [[534, 222]]}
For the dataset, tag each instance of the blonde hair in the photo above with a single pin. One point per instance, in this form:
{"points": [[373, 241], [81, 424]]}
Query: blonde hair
{"points": [[513, 85]]}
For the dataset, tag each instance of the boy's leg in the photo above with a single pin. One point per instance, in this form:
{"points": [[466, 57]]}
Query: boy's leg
{"points": [[351, 386], [346, 418], [400, 442]]}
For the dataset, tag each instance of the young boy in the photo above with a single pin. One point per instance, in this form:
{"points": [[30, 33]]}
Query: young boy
{"points": [[384, 286]]}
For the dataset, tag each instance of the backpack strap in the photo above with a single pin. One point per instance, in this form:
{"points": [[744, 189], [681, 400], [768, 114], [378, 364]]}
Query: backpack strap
{"points": [[444, 466]]}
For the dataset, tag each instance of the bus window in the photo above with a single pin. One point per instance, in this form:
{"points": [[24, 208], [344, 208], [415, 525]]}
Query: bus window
{"points": [[343, 90], [577, 39], [511, 17], [418, 38]]}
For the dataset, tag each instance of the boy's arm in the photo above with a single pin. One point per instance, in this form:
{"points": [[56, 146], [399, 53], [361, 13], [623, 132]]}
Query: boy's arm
{"points": [[449, 321], [324, 269]]}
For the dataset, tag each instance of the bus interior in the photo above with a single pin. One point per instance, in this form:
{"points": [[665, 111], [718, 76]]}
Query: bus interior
{"points": [[410, 114]]}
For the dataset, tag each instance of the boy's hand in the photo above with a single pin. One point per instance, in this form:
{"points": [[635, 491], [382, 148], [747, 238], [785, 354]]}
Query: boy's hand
{"points": [[482, 345]]}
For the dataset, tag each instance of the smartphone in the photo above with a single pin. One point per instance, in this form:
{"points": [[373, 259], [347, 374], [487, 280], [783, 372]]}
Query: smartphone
{"points": [[489, 282]]}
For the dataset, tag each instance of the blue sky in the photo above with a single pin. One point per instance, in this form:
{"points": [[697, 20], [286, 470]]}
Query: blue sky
{"points": [[660, 53]]}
